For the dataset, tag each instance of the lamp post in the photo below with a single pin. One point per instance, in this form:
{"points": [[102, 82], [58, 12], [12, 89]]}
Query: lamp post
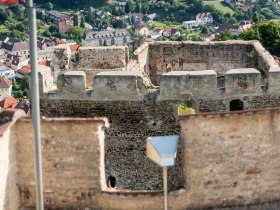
{"points": [[162, 150], [35, 102]]}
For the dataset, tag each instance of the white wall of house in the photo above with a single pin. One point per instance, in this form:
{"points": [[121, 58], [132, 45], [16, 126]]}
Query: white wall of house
{"points": [[20, 65]]}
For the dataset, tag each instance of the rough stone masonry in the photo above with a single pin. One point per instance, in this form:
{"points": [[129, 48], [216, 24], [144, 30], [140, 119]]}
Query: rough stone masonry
{"points": [[211, 77]]}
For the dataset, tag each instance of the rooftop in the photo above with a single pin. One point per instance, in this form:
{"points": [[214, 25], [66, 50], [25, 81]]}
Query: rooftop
{"points": [[57, 14]]}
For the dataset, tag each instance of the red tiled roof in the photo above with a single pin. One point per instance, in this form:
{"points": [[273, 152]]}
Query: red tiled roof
{"points": [[74, 47], [59, 41], [5, 83], [9, 102], [26, 69]]}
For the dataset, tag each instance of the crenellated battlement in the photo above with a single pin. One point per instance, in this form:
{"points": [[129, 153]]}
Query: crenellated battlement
{"points": [[174, 85], [158, 58], [209, 77]]}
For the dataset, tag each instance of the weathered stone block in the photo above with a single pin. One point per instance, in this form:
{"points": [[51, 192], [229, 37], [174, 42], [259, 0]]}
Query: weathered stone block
{"points": [[243, 81], [118, 85], [72, 83], [176, 84], [274, 80]]}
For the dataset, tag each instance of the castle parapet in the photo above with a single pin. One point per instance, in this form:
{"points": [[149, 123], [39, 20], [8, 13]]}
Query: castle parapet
{"points": [[175, 84], [264, 60], [119, 85], [274, 80], [71, 84], [90, 58], [243, 81]]}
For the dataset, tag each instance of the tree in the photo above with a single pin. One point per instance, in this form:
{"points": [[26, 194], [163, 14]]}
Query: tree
{"points": [[76, 33], [129, 7], [82, 24], [268, 33], [225, 35], [132, 19], [49, 6], [195, 37], [21, 87], [137, 8], [3, 17], [204, 30], [232, 20], [262, 3], [16, 9], [20, 27], [75, 20], [53, 28], [256, 17]]}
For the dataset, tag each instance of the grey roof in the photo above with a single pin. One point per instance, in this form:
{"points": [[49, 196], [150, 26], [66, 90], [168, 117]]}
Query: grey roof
{"points": [[57, 14], [4, 68], [18, 46], [3, 38], [227, 26], [12, 40]]}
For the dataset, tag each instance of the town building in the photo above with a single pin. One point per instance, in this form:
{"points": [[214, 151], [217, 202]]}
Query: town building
{"points": [[5, 85], [169, 32], [19, 62], [156, 33], [204, 18], [5, 71], [107, 38], [206, 37], [63, 21], [190, 24], [119, 2], [141, 29], [233, 28], [16, 48]]}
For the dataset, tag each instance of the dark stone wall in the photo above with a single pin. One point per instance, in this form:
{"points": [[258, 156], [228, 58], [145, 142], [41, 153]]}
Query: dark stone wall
{"points": [[131, 122]]}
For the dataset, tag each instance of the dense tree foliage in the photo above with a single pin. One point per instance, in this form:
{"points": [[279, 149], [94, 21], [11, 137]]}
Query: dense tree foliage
{"points": [[73, 4], [21, 87], [268, 33]]}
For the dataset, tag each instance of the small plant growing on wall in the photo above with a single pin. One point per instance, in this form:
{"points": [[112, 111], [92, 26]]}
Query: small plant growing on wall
{"points": [[185, 108]]}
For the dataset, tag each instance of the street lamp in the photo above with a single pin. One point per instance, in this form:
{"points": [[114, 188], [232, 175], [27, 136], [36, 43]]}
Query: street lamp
{"points": [[162, 150]]}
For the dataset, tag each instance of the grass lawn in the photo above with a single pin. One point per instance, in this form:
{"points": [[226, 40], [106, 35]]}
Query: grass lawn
{"points": [[219, 6]]}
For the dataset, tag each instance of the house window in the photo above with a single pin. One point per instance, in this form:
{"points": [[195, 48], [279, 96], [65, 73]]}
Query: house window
{"points": [[100, 42]]}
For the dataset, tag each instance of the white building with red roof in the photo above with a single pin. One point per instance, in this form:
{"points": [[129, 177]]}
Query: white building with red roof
{"points": [[19, 62]]}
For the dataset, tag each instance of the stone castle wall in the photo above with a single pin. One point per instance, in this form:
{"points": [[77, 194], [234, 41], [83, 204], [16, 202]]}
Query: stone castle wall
{"points": [[162, 57], [232, 162], [91, 60], [137, 110], [232, 157], [9, 195]]}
